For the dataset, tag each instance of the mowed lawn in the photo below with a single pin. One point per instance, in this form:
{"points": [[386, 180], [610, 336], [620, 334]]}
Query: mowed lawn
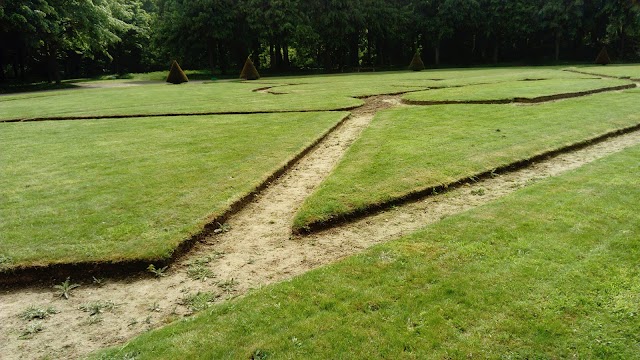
{"points": [[527, 89], [411, 149], [154, 99], [622, 71], [308, 93], [550, 271], [113, 190]]}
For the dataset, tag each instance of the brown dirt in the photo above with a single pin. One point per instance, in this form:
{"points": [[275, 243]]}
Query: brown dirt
{"points": [[257, 249]]}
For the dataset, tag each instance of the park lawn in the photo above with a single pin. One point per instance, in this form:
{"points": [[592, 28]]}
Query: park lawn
{"points": [[368, 84], [513, 89], [406, 150], [310, 93], [622, 71], [133, 189], [150, 99], [550, 271]]}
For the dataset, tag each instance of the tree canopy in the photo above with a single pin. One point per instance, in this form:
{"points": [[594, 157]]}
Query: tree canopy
{"points": [[50, 39]]}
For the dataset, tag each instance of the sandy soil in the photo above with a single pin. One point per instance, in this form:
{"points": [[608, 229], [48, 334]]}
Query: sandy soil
{"points": [[256, 248]]}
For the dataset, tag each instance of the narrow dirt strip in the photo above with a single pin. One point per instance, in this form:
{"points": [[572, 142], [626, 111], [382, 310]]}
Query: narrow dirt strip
{"points": [[254, 248]]}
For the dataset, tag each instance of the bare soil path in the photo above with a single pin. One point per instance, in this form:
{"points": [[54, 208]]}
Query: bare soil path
{"points": [[254, 249]]}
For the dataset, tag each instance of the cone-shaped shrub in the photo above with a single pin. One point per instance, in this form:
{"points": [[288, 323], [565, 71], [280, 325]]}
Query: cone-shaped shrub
{"points": [[416, 63], [176, 75], [603, 57], [249, 71]]}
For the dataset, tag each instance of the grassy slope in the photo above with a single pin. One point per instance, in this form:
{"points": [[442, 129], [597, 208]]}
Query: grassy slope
{"points": [[548, 272], [514, 89], [409, 149], [97, 190], [627, 70], [162, 99]]}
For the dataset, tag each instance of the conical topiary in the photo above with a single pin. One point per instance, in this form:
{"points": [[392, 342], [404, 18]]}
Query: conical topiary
{"points": [[603, 57], [249, 71], [416, 63], [176, 75]]}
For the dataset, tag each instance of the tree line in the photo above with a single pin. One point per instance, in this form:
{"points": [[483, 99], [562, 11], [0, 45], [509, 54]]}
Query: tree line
{"points": [[51, 39]]}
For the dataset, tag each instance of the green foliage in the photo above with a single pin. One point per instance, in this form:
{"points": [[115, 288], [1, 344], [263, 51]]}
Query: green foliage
{"points": [[33, 312], [65, 288]]}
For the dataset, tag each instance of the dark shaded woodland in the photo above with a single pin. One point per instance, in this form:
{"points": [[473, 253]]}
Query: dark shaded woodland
{"points": [[56, 39]]}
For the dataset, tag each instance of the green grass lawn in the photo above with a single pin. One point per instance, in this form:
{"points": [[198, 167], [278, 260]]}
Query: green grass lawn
{"points": [[548, 272], [411, 149], [328, 92], [110, 190], [513, 89], [367, 84], [626, 70], [152, 99]]}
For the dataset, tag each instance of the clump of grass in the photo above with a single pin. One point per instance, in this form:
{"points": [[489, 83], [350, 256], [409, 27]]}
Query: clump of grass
{"points": [[95, 308], [30, 330], [33, 312], [478, 192], [65, 288], [222, 228], [157, 272], [228, 285], [199, 270], [5, 261], [199, 301]]}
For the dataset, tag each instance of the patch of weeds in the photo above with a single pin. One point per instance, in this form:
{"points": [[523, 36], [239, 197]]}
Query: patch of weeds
{"points": [[93, 320], [5, 261], [32, 313], [222, 228], [198, 269], [132, 322], [297, 343], [97, 307], [157, 272], [155, 307], [478, 192], [65, 288], [494, 173], [199, 301], [259, 355], [31, 330], [228, 285]]}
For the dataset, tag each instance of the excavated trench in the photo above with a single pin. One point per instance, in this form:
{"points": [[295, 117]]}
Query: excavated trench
{"points": [[255, 248]]}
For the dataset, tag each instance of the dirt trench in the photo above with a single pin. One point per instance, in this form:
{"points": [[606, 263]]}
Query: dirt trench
{"points": [[255, 248]]}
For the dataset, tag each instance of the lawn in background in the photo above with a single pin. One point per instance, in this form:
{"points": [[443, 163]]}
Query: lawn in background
{"points": [[410, 149], [329, 92], [622, 71], [529, 89], [111, 190], [550, 271]]}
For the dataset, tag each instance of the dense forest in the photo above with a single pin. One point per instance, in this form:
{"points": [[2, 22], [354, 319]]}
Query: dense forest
{"points": [[55, 39]]}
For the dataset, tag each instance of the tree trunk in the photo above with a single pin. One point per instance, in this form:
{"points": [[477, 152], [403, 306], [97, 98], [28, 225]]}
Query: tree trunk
{"points": [[222, 58], [272, 56], [557, 56], [285, 53], [211, 52], [53, 68], [279, 59], [437, 54], [2, 75], [496, 48]]}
